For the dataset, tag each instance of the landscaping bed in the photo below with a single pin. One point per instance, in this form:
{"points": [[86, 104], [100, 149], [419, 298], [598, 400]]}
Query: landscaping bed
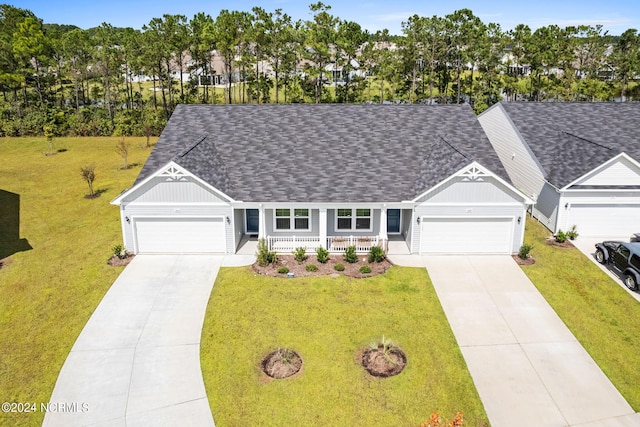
{"points": [[324, 269]]}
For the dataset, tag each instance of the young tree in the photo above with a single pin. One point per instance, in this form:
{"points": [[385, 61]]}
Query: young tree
{"points": [[123, 150], [89, 174], [48, 134]]}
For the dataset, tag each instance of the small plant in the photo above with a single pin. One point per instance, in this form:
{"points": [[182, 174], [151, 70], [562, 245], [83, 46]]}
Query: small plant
{"points": [[311, 267], [376, 254], [573, 233], [350, 255], [300, 254], [385, 346], [365, 269], [48, 134], [436, 421], [120, 251], [283, 270], [322, 255], [523, 253], [265, 256], [561, 236], [285, 355], [338, 267]]}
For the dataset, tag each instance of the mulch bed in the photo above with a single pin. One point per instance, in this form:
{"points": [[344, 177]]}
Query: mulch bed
{"points": [[114, 261], [520, 261], [379, 364], [282, 363], [553, 242], [326, 269]]}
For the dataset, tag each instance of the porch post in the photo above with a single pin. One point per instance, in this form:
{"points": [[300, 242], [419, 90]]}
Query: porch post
{"points": [[383, 224], [323, 227], [261, 223]]}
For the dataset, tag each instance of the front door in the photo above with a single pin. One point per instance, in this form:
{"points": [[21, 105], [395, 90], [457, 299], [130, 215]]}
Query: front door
{"points": [[393, 221], [253, 220]]}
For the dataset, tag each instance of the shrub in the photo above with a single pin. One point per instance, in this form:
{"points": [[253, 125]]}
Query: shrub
{"points": [[561, 236], [573, 233], [283, 270], [322, 255], [365, 269], [523, 253], [376, 254], [120, 251], [311, 267], [350, 255], [264, 256], [339, 267], [300, 254]]}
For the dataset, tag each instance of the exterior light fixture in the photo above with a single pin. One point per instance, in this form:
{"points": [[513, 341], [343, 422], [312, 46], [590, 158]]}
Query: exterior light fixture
{"points": [[228, 220], [126, 218], [519, 219]]}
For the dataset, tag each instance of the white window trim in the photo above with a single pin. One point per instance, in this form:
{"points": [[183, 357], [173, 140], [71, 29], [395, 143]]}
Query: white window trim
{"points": [[292, 220], [353, 221]]}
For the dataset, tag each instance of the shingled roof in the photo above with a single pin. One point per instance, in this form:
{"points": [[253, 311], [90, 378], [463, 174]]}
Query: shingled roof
{"points": [[322, 153], [572, 139]]}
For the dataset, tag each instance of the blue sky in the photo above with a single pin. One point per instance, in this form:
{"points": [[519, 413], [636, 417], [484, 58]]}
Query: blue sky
{"points": [[615, 15]]}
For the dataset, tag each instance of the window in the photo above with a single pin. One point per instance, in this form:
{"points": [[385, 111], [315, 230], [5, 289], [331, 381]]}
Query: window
{"points": [[345, 219], [300, 219]]}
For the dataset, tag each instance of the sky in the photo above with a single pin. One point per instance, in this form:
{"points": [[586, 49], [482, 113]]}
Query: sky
{"points": [[615, 16]]}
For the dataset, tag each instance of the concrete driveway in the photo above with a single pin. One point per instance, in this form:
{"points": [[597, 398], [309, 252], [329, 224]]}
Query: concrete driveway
{"points": [[137, 361], [586, 245], [528, 368]]}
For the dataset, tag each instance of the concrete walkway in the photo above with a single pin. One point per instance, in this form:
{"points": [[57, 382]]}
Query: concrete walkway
{"points": [[137, 361], [528, 368]]}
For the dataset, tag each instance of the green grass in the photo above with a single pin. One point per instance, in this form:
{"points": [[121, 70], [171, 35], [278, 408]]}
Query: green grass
{"points": [[602, 315], [49, 291], [327, 320]]}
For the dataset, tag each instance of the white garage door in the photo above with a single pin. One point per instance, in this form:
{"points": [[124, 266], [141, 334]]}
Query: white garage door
{"points": [[466, 235], [180, 235], [600, 220]]}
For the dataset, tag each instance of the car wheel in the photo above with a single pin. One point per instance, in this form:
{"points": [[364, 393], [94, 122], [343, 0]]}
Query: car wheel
{"points": [[630, 282], [600, 256]]}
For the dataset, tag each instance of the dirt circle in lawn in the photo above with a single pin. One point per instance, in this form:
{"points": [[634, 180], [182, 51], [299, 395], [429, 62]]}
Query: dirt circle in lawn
{"points": [[281, 363], [384, 362]]}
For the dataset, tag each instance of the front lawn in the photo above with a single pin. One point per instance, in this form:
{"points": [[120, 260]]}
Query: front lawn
{"points": [[327, 320], [49, 291], [601, 315]]}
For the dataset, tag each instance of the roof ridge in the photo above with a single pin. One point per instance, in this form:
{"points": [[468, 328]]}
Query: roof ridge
{"points": [[188, 149], [452, 146], [585, 139]]}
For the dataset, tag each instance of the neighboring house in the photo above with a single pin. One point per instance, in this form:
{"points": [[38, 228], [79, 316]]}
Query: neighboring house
{"points": [[579, 161], [323, 175]]}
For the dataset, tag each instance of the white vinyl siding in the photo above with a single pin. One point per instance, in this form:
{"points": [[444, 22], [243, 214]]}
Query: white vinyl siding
{"points": [[188, 190], [525, 172], [466, 235], [180, 235], [620, 172]]}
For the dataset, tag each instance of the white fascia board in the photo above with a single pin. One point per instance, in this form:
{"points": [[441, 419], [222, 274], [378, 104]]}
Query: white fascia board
{"points": [[603, 166], [171, 164], [526, 199]]}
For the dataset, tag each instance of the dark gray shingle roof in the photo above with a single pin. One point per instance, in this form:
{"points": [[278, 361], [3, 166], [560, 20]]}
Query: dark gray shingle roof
{"points": [[571, 139], [322, 153]]}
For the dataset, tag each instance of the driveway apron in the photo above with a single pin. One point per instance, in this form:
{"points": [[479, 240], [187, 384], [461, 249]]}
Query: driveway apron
{"points": [[528, 368], [137, 361]]}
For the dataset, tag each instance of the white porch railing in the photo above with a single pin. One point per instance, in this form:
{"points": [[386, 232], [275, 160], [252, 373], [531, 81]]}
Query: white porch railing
{"points": [[341, 243], [286, 244]]}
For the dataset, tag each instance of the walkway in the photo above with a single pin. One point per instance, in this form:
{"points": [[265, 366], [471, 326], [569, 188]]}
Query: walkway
{"points": [[137, 361], [528, 368]]}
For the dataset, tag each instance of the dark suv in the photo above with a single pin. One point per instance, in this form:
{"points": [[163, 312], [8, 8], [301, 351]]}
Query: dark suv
{"points": [[625, 259]]}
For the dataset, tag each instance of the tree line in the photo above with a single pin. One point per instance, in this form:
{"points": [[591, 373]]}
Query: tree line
{"points": [[123, 81]]}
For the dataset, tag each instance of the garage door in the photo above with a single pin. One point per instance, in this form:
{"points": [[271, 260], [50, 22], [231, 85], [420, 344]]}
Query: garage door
{"points": [[466, 235], [608, 220], [183, 235]]}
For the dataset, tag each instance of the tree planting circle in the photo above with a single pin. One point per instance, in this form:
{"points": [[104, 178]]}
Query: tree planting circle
{"points": [[281, 363], [381, 363]]}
